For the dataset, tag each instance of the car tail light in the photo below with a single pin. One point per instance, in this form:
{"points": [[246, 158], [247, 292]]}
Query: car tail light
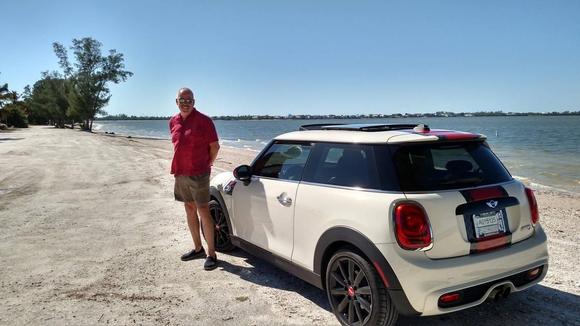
{"points": [[533, 205], [534, 273], [449, 298], [412, 228]]}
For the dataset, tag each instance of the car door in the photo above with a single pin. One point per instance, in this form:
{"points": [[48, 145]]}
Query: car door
{"points": [[264, 207]]}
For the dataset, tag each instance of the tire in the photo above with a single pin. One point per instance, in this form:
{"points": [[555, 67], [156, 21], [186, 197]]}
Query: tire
{"points": [[356, 293], [223, 241]]}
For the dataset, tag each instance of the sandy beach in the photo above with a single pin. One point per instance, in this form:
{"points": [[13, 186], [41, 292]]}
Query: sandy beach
{"points": [[90, 234]]}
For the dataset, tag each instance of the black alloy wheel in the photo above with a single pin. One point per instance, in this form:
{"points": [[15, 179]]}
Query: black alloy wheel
{"points": [[356, 293], [221, 229]]}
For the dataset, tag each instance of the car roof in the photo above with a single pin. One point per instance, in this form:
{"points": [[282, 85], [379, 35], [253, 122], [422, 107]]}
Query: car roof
{"points": [[376, 133]]}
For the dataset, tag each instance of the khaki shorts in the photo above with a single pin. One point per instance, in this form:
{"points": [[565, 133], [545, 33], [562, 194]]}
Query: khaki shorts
{"points": [[192, 188]]}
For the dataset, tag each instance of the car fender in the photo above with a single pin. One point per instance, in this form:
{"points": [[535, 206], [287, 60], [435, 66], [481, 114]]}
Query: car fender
{"points": [[345, 235], [221, 179], [216, 194], [216, 191]]}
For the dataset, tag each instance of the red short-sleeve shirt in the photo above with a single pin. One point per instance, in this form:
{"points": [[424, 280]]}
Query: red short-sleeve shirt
{"points": [[191, 138]]}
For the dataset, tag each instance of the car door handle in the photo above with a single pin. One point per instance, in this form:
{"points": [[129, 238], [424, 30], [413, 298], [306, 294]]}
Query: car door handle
{"points": [[284, 199]]}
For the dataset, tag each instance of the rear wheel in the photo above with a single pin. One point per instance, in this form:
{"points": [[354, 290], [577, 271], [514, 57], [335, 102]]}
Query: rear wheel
{"points": [[222, 238], [355, 292]]}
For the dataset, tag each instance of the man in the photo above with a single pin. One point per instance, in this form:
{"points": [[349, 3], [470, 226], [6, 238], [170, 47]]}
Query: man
{"points": [[195, 148]]}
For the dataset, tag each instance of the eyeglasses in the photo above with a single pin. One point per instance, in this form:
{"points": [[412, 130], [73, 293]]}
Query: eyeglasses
{"points": [[185, 101]]}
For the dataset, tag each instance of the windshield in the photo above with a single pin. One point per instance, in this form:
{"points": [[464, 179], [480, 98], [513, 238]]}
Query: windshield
{"points": [[441, 166]]}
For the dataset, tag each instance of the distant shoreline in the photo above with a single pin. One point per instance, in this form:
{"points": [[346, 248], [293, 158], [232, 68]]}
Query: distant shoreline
{"points": [[123, 117], [534, 184]]}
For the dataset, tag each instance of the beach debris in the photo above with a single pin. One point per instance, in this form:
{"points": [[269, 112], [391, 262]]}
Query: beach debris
{"points": [[242, 298]]}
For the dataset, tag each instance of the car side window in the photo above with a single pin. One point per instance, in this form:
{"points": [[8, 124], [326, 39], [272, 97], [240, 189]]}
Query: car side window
{"points": [[283, 161], [349, 165]]}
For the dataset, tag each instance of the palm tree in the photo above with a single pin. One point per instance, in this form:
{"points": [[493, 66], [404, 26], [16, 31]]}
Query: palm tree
{"points": [[4, 94]]}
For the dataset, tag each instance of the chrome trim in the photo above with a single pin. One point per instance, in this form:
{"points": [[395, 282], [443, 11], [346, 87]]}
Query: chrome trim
{"points": [[429, 247], [284, 199], [258, 177], [350, 188]]}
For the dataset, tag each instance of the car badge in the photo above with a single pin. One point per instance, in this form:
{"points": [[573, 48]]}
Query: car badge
{"points": [[229, 188], [492, 203]]}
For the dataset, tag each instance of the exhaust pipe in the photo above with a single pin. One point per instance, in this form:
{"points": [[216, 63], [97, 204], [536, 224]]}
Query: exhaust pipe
{"points": [[500, 292], [506, 292]]}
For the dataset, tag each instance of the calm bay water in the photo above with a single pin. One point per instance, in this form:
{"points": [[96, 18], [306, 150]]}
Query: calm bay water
{"points": [[543, 150]]}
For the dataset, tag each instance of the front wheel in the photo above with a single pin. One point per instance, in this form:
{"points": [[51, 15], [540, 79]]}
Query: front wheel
{"points": [[221, 232], [355, 292]]}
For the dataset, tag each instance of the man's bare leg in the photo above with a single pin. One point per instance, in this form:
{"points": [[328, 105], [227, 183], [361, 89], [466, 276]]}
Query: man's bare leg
{"points": [[193, 224], [208, 228]]}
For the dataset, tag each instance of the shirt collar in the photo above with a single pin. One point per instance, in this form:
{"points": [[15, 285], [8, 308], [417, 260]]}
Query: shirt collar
{"points": [[193, 113]]}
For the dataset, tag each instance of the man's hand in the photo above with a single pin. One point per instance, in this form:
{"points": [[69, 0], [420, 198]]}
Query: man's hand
{"points": [[213, 152]]}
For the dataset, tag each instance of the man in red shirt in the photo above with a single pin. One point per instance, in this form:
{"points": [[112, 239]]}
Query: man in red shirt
{"points": [[195, 148]]}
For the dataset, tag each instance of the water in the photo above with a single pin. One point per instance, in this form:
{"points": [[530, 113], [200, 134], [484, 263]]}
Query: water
{"points": [[543, 150]]}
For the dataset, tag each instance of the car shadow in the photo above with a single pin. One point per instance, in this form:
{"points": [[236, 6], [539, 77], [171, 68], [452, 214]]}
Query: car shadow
{"points": [[263, 273], [537, 305]]}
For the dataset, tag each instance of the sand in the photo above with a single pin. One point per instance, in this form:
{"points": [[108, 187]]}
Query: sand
{"points": [[90, 234]]}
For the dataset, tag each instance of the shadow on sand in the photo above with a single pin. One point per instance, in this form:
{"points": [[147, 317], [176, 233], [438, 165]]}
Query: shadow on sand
{"points": [[264, 274], [6, 139], [537, 305]]}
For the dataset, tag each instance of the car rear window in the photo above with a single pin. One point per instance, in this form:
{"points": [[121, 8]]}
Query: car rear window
{"points": [[441, 166]]}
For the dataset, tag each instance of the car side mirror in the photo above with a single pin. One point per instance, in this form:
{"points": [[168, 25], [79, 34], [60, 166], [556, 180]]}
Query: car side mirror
{"points": [[243, 173]]}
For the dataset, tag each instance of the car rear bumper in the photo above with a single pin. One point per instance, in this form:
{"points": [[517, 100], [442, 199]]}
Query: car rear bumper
{"points": [[424, 280]]}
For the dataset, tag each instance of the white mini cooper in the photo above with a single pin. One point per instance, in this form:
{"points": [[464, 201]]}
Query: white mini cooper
{"points": [[386, 218]]}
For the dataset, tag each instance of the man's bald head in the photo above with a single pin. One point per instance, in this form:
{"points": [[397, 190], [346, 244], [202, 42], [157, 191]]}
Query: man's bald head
{"points": [[183, 91]]}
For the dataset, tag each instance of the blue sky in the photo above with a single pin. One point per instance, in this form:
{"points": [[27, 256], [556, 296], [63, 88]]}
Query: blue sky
{"points": [[317, 57]]}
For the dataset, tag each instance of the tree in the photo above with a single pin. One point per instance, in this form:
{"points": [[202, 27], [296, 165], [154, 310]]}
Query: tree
{"points": [[4, 94], [15, 112], [3, 98], [86, 81], [48, 100], [16, 115]]}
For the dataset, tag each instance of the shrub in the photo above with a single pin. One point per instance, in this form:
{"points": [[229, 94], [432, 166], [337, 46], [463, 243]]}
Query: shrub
{"points": [[16, 117]]}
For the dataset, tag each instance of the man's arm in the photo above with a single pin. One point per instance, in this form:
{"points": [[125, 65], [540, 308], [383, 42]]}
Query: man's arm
{"points": [[213, 151]]}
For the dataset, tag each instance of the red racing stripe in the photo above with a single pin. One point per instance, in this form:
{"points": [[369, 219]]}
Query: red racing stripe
{"points": [[452, 135], [448, 134], [488, 244]]}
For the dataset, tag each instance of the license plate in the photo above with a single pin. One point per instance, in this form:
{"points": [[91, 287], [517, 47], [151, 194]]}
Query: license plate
{"points": [[488, 224]]}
